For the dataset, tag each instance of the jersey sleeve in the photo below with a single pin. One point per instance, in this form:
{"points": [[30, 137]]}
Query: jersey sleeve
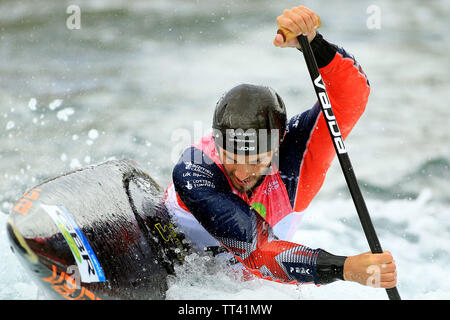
{"points": [[307, 151], [205, 191]]}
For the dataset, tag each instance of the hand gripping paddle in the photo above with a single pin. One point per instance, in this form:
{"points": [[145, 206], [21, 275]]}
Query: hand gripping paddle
{"points": [[339, 146]]}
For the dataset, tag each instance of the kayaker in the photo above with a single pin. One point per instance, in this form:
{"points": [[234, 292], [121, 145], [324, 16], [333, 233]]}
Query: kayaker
{"points": [[236, 187]]}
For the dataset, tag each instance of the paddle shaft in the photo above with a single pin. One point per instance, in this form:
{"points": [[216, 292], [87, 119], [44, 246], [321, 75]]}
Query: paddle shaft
{"points": [[342, 154]]}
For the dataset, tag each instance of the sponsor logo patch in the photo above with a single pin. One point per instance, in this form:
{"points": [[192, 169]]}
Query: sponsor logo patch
{"points": [[87, 262]]}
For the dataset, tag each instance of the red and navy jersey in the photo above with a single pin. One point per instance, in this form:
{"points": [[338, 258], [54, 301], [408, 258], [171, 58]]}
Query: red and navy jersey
{"points": [[202, 189]]}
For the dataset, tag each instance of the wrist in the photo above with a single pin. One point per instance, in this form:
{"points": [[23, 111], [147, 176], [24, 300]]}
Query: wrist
{"points": [[310, 37], [329, 267], [323, 51], [347, 269]]}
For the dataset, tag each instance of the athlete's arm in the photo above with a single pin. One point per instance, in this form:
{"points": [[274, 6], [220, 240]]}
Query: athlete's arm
{"points": [[307, 151], [205, 191]]}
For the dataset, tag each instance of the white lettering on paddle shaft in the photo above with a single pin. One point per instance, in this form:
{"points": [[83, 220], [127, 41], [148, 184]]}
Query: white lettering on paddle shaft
{"points": [[329, 116]]}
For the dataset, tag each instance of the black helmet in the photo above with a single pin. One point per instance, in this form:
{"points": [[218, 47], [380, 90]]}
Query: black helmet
{"points": [[249, 119]]}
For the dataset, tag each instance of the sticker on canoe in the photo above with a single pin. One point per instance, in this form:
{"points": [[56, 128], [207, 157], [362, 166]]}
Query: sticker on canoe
{"points": [[88, 265]]}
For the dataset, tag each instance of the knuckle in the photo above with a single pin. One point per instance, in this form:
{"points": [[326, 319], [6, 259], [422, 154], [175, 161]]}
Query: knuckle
{"points": [[390, 277], [372, 260], [291, 24], [389, 284], [297, 11]]}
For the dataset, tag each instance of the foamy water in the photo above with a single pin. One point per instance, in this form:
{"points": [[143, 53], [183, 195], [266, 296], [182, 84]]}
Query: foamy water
{"points": [[414, 236]]}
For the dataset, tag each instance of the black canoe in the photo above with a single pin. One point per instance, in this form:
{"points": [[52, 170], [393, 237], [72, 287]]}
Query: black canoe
{"points": [[99, 232]]}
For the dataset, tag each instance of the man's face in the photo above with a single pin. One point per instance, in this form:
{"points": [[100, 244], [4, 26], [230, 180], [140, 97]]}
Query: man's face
{"points": [[245, 171]]}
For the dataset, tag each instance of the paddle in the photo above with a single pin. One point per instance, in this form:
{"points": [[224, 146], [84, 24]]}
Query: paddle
{"points": [[341, 152]]}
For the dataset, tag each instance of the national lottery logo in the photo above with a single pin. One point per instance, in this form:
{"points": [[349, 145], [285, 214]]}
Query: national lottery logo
{"points": [[89, 267]]}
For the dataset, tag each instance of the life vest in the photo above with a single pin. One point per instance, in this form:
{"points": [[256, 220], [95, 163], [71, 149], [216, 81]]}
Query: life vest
{"points": [[269, 199]]}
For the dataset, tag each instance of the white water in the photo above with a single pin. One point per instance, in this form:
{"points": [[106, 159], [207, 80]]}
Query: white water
{"points": [[414, 236]]}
